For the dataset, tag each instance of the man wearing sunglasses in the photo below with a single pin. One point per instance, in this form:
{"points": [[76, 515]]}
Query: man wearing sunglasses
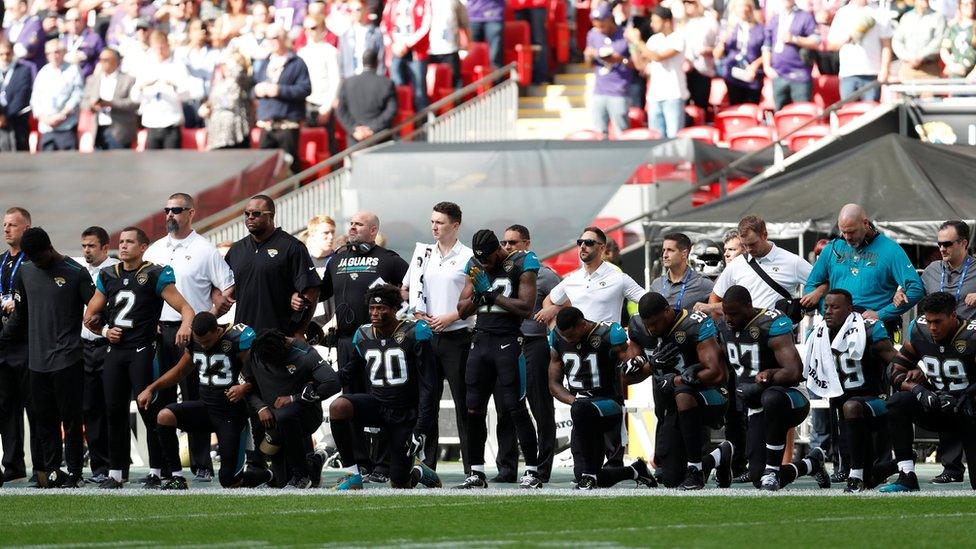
{"points": [[207, 284]]}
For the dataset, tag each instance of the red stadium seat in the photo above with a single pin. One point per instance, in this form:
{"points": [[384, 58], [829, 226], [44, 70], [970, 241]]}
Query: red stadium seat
{"points": [[404, 109], [853, 110], [705, 134], [808, 135], [255, 137], [313, 146], [751, 139], [476, 64], [518, 49], [607, 222], [565, 262], [639, 134], [793, 116], [194, 139], [585, 135], [734, 119], [826, 90], [440, 81], [696, 114], [637, 117], [557, 30]]}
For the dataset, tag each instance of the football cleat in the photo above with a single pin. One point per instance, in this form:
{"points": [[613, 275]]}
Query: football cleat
{"points": [[349, 482], [855, 485], [723, 470], [315, 461], [176, 482], [817, 470], [906, 482], [73, 481], [946, 478], [298, 483], [644, 475], [474, 480], [427, 476], [586, 482], [839, 476], [769, 481], [110, 484], [203, 475], [255, 475], [694, 479], [376, 478], [530, 481], [152, 482], [742, 479], [97, 479]]}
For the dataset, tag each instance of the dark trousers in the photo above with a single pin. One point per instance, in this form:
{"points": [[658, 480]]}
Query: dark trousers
{"points": [[536, 353], [951, 453], [14, 399], [58, 402], [312, 121], [105, 141], [286, 140], [410, 71], [537, 20], [60, 140], [741, 94], [454, 61], [294, 425], [786, 92], [164, 138], [230, 425], [700, 88], [167, 355], [93, 407], [368, 411], [451, 350], [15, 135], [361, 451], [491, 32]]}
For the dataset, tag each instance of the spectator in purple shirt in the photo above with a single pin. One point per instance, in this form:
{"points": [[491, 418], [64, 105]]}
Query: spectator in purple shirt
{"points": [[290, 14], [487, 25], [26, 34], [740, 51], [607, 50], [82, 45], [122, 27], [789, 32]]}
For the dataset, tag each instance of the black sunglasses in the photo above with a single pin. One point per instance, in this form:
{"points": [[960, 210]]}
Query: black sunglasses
{"points": [[256, 213], [947, 243], [588, 242], [175, 211], [510, 242]]}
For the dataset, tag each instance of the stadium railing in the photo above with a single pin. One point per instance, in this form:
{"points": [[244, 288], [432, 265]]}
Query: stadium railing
{"points": [[484, 110]]}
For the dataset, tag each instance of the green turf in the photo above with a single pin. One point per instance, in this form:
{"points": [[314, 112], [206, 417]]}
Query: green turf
{"points": [[551, 519]]}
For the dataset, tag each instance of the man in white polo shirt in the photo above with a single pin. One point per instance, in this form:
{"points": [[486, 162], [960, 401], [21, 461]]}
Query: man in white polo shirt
{"points": [[207, 284], [598, 289], [434, 287]]}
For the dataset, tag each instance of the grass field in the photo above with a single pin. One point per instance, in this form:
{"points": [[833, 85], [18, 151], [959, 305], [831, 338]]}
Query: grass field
{"points": [[622, 517]]}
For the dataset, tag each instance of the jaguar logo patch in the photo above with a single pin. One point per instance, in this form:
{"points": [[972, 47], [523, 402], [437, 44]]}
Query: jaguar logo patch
{"points": [[680, 337], [594, 342], [225, 346], [142, 278], [508, 266], [961, 346], [754, 332], [291, 368], [399, 337], [272, 252], [59, 281]]}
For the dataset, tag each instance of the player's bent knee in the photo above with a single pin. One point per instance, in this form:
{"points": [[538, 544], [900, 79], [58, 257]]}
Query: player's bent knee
{"points": [[341, 408], [773, 398], [166, 418], [853, 409], [685, 401], [477, 412]]}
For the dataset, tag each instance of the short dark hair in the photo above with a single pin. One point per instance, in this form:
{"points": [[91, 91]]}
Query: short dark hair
{"points": [[842, 292], [450, 209], [568, 317], [371, 58], [141, 237], [187, 199], [962, 229], [204, 323], [35, 241], [387, 294], [270, 346], [651, 305], [268, 202], [738, 295], [598, 232], [18, 210], [681, 239], [938, 303], [98, 232], [663, 13], [522, 230]]}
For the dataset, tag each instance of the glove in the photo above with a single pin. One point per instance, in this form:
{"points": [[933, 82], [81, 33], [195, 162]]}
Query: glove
{"points": [[665, 357], [748, 392], [925, 397], [488, 298], [690, 376], [947, 402], [632, 366], [964, 406], [415, 446], [664, 383], [479, 280]]}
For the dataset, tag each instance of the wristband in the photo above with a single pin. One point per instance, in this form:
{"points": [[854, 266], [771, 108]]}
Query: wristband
{"points": [[105, 331]]}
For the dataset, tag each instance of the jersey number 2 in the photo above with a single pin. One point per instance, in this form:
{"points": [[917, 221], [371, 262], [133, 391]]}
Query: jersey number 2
{"points": [[125, 300]]}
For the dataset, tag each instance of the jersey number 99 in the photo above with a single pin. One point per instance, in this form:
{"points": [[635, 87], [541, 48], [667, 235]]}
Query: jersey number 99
{"points": [[948, 375]]}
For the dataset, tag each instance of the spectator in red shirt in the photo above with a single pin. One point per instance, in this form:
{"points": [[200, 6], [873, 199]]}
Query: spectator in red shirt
{"points": [[406, 31]]}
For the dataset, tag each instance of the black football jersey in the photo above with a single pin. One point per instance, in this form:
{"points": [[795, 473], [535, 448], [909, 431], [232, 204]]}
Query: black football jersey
{"points": [[134, 300], [219, 367], [495, 319], [748, 350], [590, 366], [949, 366], [394, 365], [688, 331], [864, 377]]}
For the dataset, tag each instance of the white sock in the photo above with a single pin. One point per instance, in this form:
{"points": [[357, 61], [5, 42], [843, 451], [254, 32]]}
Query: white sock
{"points": [[155, 472], [115, 474], [716, 455], [775, 446], [478, 468], [772, 467], [808, 463], [907, 466], [178, 473], [695, 465], [634, 469], [533, 468], [856, 473], [354, 470]]}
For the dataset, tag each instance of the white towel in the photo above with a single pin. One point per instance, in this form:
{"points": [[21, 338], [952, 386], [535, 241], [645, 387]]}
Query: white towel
{"points": [[415, 276], [819, 363]]}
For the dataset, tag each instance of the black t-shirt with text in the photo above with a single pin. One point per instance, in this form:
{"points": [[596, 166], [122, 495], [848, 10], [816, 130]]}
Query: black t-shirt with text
{"points": [[352, 271]]}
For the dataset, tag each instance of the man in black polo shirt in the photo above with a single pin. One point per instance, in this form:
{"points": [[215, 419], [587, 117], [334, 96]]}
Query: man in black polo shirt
{"points": [[50, 297], [275, 281], [357, 267]]}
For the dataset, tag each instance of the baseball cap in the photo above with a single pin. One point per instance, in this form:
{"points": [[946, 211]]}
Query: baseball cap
{"points": [[483, 243]]}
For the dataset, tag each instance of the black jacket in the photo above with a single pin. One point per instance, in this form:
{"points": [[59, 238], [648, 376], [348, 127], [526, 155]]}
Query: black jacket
{"points": [[18, 91], [367, 99]]}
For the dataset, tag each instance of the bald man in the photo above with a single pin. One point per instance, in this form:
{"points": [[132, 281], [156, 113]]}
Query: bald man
{"points": [[358, 266], [867, 264]]}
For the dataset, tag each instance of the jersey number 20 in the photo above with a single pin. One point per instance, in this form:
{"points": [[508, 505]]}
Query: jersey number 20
{"points": [[392, 362]]}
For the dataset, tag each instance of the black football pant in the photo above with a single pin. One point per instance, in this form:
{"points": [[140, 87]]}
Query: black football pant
{"points": [[368, 411], [231, 429], [781, 409], [736, 421], [124, 373], [904, 411], [14, 400], [451, 351], [497, 360], [366, 456], [294, 425], [680, 437], [168, 355], [93, 407], [57, 402], [592, 419], [867, 444], [951, 454], [536, 352]]}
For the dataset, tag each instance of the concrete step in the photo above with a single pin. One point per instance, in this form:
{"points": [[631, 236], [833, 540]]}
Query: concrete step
{"points": [[552, 128], [553, 102], [576, 68], [570, 112], [577, 79], [558, 90]]}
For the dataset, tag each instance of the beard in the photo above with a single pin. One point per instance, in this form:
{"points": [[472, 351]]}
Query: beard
{"points": [[172, 226]]}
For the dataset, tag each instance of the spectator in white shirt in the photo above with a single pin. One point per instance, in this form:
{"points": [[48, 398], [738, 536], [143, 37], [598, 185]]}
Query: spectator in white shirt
{"points": [[434, 288], [55, 100], [322, 60], [449, 33], [135, 50], [252, 41], [662, 58], [598, 289], [862, 35], [161, 88], [207, 284], [200, 60]]}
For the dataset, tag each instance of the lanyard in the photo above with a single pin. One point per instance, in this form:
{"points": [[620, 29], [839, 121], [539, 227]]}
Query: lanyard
{"points": [[13, 272], [684, 285], [962, 278]]}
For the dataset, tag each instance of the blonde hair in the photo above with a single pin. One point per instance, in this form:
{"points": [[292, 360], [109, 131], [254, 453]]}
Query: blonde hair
{"points": [[318, 220]]}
